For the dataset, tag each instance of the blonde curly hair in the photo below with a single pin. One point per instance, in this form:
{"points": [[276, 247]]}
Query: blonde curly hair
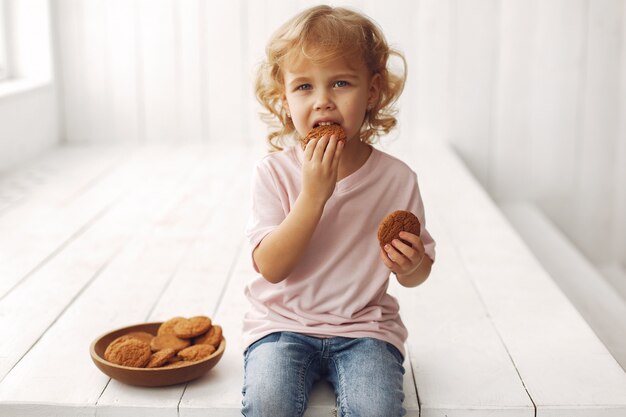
{"points": [[321, 34]]}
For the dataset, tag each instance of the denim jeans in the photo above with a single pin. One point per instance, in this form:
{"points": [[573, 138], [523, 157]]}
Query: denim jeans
{"points": [[280, 370]]}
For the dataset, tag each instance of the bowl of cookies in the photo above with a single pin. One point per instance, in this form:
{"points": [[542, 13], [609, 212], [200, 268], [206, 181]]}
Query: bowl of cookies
{"points": [[160, 353]]}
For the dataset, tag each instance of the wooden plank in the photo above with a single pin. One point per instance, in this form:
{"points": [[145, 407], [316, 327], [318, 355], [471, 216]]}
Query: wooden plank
{"points": [[55, 285], [144, 267], [461, 366], [196, 287], [52, 179], [220, 390], [538, 325], [41, 224], [596, 300]]}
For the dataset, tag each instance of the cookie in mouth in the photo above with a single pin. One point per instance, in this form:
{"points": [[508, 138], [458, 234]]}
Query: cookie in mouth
{"points": [[325, 129]]}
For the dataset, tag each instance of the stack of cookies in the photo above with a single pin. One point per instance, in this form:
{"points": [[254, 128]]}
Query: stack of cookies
{"points": [[179, 341]]}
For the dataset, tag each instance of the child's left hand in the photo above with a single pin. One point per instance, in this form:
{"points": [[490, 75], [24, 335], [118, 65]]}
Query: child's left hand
{"points": [[401, 258]]}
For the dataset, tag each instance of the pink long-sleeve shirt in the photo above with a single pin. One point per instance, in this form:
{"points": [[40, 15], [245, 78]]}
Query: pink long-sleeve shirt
{"points": [[339, 288]]}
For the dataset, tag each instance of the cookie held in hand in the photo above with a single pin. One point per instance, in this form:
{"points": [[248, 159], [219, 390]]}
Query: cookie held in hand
{"points": [[396, 222], [318, 131]]}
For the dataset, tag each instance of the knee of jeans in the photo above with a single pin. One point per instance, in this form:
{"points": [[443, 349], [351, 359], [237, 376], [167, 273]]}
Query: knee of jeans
{"points": [[386, 403], [265, 400], [372, 407], [270, 388]]}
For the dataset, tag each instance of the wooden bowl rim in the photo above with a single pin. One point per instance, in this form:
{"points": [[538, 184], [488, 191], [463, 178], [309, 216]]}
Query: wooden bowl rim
{"points": [[92, 350]]}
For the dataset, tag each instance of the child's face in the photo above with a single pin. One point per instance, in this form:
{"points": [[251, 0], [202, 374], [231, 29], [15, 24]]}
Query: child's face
{"points": [[330, 92]]}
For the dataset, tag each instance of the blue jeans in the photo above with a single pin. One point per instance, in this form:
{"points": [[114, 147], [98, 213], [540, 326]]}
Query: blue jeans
{"points": [[280, 370]]}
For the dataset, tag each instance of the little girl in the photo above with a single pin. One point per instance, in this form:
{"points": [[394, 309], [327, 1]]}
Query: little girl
{"points": [[320, 307]]}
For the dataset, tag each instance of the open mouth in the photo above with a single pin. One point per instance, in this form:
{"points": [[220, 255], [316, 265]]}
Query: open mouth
{"points": [[325, 124]]}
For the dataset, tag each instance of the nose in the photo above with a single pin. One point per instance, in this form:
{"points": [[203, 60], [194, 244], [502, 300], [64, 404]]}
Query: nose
{"points": [[323, 101]]}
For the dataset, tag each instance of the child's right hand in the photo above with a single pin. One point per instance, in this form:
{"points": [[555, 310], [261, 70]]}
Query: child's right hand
{"points": [[320, 168]]}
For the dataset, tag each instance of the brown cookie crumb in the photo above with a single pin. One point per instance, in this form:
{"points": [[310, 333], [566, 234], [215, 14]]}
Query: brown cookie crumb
{"points": [[396, 222]]}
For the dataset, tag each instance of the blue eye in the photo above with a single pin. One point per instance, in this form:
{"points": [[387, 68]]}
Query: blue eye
{"points": [[341, 83], [303, 87]]}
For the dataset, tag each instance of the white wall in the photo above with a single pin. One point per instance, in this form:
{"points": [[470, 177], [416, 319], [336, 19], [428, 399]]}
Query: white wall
{"points": [[28, 100], [532, 93], [539, 109]]}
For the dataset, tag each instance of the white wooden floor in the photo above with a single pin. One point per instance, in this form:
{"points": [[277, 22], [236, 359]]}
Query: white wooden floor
{"points": [[94, 238]]}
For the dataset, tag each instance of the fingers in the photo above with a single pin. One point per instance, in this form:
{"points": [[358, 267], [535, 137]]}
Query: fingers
{"points": [[309, 148], [320, 147], [414, 240], [388, 262], [396, 257], [337, 154], [327, 158], [326, 149], [333, 152], [403, 256], [411, 250]]}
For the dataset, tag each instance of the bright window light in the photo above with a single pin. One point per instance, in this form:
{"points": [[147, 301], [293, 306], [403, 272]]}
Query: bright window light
{"points": [[4, 71]]}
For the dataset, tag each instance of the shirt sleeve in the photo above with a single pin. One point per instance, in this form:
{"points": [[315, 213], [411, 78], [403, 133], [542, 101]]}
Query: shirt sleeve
{"points": [[417, 207], [267, 212]]}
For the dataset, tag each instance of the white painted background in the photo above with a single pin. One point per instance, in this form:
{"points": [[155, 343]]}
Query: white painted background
{"points": [[532, 93], [28, 96]]}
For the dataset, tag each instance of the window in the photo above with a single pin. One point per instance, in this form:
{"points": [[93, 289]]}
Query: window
{"points": [[4, 71]]}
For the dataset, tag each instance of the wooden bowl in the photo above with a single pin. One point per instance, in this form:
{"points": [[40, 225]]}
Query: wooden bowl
{"points": [[149, 377]]}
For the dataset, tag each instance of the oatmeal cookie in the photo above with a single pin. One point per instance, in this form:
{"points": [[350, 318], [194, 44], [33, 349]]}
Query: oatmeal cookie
{"points": [[143, 336], [213, 337], [396, 222], [196, 352], [168, 341], [168, 326], [321, 130], [128, 351], [193, 327], [160, 358]]}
